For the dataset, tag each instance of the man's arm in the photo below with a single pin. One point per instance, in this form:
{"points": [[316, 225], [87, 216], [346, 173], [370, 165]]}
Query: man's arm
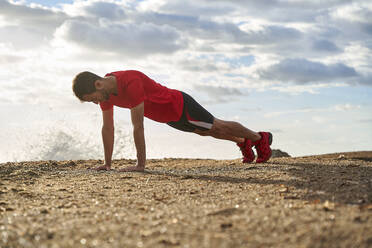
{"points": [[139, 137], [107, 138]]}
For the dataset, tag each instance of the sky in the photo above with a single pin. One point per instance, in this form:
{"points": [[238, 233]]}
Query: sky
{"points": [[299, 69]]}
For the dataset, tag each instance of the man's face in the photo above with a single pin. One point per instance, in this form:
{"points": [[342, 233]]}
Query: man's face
{"points": [[97, 96]]}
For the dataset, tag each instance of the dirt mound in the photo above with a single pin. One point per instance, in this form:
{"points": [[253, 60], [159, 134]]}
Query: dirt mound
{"points": [[314, 201], [276, 153]]}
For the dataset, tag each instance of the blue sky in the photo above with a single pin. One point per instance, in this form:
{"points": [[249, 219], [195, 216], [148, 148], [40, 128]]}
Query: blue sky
{"points": [[300, 69]]}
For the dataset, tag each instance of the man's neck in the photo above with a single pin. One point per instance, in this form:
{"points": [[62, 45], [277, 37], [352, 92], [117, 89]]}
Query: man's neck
{"points": [[112, 85]]}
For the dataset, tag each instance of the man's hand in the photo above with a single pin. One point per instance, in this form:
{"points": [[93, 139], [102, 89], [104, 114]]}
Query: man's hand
{"points": [[133, 169], [102, 167]]}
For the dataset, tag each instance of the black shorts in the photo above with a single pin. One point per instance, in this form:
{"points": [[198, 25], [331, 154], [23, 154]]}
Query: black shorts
{"points": [[194, 116]]}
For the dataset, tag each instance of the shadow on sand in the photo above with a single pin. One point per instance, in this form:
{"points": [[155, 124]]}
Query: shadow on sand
{"points": [[345, 183]]}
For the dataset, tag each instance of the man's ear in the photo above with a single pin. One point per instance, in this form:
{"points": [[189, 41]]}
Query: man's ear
{"points": [[98, 84]]}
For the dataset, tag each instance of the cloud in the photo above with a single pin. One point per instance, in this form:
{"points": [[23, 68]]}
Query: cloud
{"points": [[27, 27], [284, 31], [354, 12], [325, 45], [35, 17], [219, 94], [216, 63], [339, 108], [345, 107], [319, 119], [302, 71], [191, 7], [273, 9], [285, 11], [355, 19], [367, 121], [16, 36], [272, 34], [197, 65], [367, 28], [106, 10], [365, 80], [298, 89], [126, 39], [98, 9], [226, 32], [8, 59]]}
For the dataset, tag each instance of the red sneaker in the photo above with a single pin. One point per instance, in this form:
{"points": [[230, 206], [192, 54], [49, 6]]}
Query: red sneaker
{"points": [[263, 147], [246, 148]]}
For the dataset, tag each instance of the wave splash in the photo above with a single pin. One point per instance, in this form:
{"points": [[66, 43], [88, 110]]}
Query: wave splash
{"points": [[69, 143]]}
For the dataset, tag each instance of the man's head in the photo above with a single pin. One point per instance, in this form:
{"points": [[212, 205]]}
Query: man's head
{"points": [[89, 87]]}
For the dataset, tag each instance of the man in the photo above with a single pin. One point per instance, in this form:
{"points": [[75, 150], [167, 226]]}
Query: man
{"points": [[145, 97]]}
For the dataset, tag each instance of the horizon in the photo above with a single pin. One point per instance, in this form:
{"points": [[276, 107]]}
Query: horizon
{"points": [[299, 69]]}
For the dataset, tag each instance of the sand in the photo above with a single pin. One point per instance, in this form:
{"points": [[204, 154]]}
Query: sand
{"points": [[315, 201]]}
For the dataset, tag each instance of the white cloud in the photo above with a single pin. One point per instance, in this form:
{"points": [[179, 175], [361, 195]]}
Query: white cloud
{"points": [[345, 107], [126, 39], [302, 71], [325, 45], [36, 17], [227, 32], [150, 5], [354, 12], [319, 119], [27, 27], [294, 89], [219, 94], [7, 55], [191, 7], [108, 9], [339, 107]]}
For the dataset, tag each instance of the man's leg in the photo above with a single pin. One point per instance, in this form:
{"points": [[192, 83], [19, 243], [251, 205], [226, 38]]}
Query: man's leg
{"points": [[230, 130], [197, 119], [219, 136], [236, 132], [244, 137]]}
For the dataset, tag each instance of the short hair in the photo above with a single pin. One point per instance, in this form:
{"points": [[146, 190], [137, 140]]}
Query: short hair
{"points": [[83, 84]]}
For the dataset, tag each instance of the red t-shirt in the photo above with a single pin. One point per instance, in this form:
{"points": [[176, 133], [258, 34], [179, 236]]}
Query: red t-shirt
{"points": [[160, 103]]}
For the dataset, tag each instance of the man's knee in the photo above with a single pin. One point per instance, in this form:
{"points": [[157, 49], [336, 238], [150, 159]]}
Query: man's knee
{"points": [[219, 127]]}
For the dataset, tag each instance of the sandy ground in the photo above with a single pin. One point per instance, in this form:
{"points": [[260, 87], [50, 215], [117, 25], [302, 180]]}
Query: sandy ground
{"points": [[319, 201]]}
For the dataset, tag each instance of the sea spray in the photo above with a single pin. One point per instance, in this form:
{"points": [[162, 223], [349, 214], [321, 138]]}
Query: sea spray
{"points": [[65, 141]]}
